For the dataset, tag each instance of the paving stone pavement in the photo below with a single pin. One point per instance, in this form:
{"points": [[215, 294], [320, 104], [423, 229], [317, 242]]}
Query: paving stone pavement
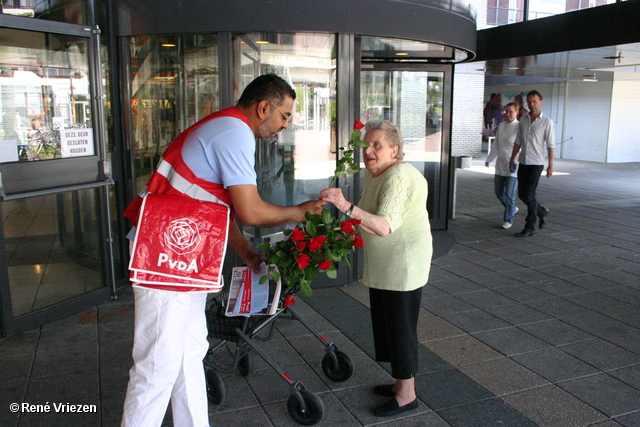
{"points": [[537, 331]]}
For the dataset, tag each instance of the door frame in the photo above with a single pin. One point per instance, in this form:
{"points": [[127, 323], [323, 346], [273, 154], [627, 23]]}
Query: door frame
{"points": [[97, 169], [439, 221]]}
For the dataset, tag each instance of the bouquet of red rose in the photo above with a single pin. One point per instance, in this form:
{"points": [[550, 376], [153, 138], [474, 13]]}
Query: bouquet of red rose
{"points": [[312, 247], [317, 244]]}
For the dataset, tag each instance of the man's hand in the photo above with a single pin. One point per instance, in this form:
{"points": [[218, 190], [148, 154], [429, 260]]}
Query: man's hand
{"points": [[549, 171], [254, 260], [486, 164], [313, 206], [255, 212]]}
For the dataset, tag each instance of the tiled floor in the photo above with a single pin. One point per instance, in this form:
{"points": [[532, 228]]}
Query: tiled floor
{"points": [[540, 331]]}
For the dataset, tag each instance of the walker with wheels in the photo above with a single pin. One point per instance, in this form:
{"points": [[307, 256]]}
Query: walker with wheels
{"points": [[304, 407]]}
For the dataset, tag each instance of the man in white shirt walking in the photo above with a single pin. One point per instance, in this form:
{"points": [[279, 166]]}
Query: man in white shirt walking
{"points": [[505, 181], [535, 133]]}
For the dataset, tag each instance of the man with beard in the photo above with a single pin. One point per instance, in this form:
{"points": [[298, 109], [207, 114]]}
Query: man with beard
{"points": [[212, 161]]}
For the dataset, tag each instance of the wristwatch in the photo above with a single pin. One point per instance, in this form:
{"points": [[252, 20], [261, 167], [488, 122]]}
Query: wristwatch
{"points": [[350, 210]]}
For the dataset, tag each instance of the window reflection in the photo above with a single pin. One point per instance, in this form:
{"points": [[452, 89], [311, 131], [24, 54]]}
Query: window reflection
{"points": [[502, 12], [44, 97], [174, 83], [413, 100], [298, 164]]}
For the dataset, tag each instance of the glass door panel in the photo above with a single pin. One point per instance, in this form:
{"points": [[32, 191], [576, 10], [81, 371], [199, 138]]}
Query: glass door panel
{"points": [[174, 83], [300, 161], [414, 101], [53, 247], [296, 165]]}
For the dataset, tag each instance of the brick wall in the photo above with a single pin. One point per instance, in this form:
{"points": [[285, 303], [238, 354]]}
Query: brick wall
{"points": [[468, 100]]}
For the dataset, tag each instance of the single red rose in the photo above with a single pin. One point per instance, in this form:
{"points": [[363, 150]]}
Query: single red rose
{"points": [[297, 235], [289, 301], [303, 261], [347, 226], [358, 125], [316, 243], [300, 246], [355, 221], [358, 242], [324, 265]]}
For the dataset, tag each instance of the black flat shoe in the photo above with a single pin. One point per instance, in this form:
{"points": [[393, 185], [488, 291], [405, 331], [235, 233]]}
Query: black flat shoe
{"points": [[525, 233], [385, 390], [543, 218], [391, 408]]}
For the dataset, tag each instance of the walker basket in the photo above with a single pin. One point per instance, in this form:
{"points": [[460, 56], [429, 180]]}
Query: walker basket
{"points": [[219, 325]]}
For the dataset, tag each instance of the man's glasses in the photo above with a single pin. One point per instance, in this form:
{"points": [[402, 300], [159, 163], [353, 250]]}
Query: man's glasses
{"points": [[286, 117]]}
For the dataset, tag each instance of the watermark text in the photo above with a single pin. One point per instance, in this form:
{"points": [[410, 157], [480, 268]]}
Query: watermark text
{"points": [[53, 407]]}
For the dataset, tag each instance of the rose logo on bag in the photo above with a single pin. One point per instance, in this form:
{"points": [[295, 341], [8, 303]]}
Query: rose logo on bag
{"points": [[182, 236]]}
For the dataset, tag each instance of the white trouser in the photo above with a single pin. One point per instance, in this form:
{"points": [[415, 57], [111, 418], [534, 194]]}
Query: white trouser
{"points": [[170, 342]]}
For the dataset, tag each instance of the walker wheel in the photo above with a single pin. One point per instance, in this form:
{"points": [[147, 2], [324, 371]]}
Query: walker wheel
{"points": [[313, 413], [216, 391], [339, 373]]}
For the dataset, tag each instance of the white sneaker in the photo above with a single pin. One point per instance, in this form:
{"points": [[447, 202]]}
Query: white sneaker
{"points": [[506, 224], [516, 211]]}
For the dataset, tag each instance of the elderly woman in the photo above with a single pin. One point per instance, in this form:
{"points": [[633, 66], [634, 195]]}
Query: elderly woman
{"points": [[397, 256]]}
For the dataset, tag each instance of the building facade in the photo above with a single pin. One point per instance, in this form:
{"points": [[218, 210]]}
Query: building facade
{"points": [[106, 86]]}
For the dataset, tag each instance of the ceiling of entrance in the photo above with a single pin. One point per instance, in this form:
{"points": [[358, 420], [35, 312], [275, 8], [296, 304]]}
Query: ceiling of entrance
{"points": [[597, 64]]}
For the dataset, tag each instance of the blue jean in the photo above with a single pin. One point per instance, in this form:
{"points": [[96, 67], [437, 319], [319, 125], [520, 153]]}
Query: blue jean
{"points": [[505, 188], [528, 178]]}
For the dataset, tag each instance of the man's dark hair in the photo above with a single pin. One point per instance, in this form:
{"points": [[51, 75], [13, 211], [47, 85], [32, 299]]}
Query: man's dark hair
{"points": [[267, 87], [534, 93]]}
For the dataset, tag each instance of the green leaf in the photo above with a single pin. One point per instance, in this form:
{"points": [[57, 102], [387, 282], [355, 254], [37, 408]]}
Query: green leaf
{"points": [[326, 216], [353, 169], [305, 288], [312, 230], [332, 274]]}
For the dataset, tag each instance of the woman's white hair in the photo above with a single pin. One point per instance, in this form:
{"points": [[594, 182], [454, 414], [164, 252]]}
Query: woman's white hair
{"points": [[391, 131]]}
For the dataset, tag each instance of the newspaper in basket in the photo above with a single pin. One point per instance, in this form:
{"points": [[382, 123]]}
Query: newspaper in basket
{"points": [[181, 242]]}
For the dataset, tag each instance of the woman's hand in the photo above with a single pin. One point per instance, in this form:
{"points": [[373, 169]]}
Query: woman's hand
{"points": [[370, 223], [335, 196]]}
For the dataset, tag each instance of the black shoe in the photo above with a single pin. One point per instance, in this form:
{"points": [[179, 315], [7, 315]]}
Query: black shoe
{"points": [[385, 390], [542, 214], [391, 408], [525, 233]]}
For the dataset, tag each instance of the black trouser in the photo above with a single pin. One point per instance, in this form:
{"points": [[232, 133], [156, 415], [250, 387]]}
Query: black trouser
{"points": [[528, 178], [394, 316]]}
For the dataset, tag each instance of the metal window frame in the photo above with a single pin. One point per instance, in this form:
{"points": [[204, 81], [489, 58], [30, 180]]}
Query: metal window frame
{"points": [[89, 171]]}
